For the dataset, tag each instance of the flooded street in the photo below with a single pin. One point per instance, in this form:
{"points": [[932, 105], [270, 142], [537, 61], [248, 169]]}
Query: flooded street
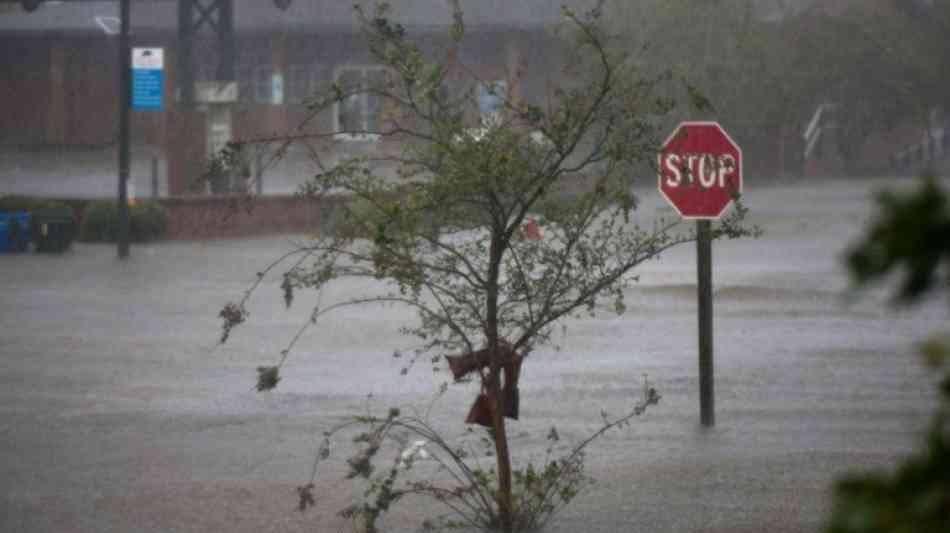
{"points": [[119, 411]]}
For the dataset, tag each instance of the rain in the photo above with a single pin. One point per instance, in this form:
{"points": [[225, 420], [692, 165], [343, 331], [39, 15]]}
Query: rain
{"points": [[121, 410]]}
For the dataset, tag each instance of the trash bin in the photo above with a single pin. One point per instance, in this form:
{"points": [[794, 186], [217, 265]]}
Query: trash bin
{"points": [[4, 236], [14, 232], [53, 229]]}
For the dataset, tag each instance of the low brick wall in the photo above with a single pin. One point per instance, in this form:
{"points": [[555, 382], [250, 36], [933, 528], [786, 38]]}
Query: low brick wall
{"points": [[200, 217], [208, 217]]}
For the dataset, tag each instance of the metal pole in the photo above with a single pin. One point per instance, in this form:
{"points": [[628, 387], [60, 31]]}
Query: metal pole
{"points": [[226, 41], [259, 172], [125, 98], [186, 65], [154, 170], [707, 412]]}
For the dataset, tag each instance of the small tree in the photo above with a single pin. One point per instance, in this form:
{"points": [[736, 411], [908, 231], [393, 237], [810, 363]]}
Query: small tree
{"points": [[474, 230]]}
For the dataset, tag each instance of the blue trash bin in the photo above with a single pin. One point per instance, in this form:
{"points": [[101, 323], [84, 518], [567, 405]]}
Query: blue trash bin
{"points": [[14, 232], [4, 236]]}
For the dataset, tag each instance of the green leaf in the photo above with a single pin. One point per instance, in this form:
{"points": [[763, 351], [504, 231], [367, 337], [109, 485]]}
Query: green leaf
{"points": [[267, 378]]}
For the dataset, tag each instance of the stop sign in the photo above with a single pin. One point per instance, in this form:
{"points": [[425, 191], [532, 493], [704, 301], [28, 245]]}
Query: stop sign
{"points": [[700, 170]]}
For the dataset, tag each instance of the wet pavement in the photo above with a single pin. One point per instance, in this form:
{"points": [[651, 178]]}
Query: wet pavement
{"points": [[119, 411]]}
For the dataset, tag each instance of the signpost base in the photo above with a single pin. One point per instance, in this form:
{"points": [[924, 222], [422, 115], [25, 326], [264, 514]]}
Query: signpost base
{"points": [[125, 100], [707, 412]]}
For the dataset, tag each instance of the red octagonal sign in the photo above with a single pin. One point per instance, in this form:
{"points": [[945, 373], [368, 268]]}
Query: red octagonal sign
{"points": [[700, 170]]}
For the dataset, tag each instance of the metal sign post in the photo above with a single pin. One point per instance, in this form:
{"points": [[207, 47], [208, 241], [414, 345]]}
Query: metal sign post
{"points": [[700, 175], [125, 100], [707, 397]]}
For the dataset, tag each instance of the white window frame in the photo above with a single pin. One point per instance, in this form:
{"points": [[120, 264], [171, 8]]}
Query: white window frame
{"points": [[343, 136]]}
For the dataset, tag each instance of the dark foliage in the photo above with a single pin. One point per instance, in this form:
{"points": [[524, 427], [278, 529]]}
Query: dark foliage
{"points": [[148, 222], [910, 235]]}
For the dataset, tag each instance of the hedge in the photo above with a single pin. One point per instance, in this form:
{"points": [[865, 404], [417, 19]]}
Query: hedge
{"points": [[14, 203], [149, 222]]}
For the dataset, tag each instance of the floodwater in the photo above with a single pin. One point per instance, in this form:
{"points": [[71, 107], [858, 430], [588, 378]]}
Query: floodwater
{"points": [[119, 411]]}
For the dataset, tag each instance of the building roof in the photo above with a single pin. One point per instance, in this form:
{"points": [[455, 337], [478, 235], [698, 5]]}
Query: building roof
{"points": [[93, 16]]}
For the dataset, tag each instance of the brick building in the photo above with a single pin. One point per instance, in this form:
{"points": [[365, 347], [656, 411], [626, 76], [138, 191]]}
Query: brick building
{"points": [[58, 68], [58, 76]]}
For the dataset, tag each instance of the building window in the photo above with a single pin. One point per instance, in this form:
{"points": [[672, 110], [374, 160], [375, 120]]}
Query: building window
{"points": [[358, 116], [264, 85], [491, 101]]}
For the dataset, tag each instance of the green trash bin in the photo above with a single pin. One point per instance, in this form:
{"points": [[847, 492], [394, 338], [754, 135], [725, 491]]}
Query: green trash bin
{"points": [[53, 229]]}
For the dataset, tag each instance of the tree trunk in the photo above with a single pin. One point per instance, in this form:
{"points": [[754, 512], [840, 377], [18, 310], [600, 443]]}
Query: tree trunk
{"points": [[496, 400], [501, 453]]}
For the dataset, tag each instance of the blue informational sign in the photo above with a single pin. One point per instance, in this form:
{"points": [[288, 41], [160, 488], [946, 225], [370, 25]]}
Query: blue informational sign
{"points": [[148, 79]]}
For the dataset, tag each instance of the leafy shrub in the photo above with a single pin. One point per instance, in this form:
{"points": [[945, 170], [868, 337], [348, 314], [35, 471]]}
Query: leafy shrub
{"points": [[369, 219], [13, 203], [557, 204], [148, 222], [468, 491], [358, 218], [100, 222]]}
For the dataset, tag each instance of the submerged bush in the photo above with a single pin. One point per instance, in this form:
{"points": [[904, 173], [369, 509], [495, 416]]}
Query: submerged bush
{"points": [[148, 222], [388, 448], [13, 203]]}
